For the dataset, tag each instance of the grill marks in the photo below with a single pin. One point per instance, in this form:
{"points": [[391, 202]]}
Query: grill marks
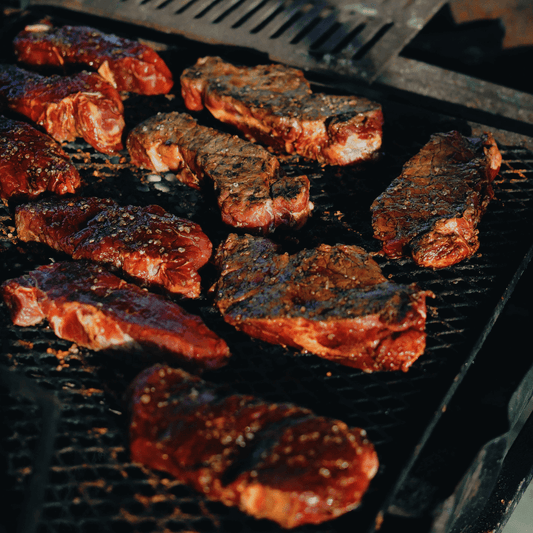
{"points": [[253, 193], [67, 107], [32, 163], [275, 461], [433, 208], [147, 243], [332, 301], [127, 65], [85, 304], [274, 105]]}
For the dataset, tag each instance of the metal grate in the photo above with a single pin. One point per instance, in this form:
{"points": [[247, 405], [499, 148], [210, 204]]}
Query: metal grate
{"points": [[93, 485], [353, 39]]}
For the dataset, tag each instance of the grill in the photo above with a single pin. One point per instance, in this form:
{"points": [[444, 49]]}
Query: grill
{"points": [[61, 406]]}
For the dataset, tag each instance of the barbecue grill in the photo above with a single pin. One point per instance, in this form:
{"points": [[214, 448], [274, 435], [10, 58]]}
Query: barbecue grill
{"points": [[445, 432]]}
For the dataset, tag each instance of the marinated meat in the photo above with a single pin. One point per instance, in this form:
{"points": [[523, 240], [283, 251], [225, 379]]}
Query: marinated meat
{"points": [[127, 65], [85, 304], [32, 163], [252, 191], [332, 301], [274, 105], [67, 107], [147, 243], [432, 209], [275, 461]]}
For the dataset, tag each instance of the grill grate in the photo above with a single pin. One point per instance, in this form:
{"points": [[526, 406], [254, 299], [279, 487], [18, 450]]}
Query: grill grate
{"points": [[93, 485], [351, 39]]}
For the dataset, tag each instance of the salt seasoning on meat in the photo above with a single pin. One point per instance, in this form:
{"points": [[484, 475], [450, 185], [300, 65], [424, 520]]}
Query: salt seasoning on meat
{"points": [[147, 243], [271, 460], [32, 163], [431, 211], [274, 105], [67, 107], [128, 65], [332, 301], [85, 304], [252, 191]]}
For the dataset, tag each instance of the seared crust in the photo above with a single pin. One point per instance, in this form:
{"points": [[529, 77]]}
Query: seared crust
{"points": [[85, 304], [67, 107], [32, 163], [253, 193], [147, 243], [332, 301], [274, 461], [274, 105], [433, 208], [127, 65]]}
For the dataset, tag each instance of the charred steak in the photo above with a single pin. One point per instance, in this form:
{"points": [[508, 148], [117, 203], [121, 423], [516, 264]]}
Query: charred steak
{"points": [[275, 461], [32, 163], [127, 65], [432, 209], [67, 107], [274, 105], [252, 191], [332, 301], [147, 243], [85, 304]]}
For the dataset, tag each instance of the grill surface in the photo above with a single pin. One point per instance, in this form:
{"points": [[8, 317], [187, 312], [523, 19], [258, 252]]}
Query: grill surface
{"points": [[93, 485]]}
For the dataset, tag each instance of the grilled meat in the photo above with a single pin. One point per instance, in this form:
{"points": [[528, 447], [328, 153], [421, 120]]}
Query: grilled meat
{"points": [[85, 304], [32, 163], [275, 461], [274, 105], [252, 191], [147, 243], [127, 65], [433, 208], [332, 301], [67, 107]]}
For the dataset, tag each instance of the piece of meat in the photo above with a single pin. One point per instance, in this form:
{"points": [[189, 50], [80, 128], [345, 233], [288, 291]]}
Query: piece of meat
{"points": [[32, 163], [431, 211], [147, 243], [252, 191], [67, 107], [332, 301], [127, 65], [274, 105], [275, 461], [85, 304]]}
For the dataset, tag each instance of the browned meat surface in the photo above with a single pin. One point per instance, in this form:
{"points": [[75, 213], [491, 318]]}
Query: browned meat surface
{"points": [[67, 107], [274, 105], [147, 243], [85, 304], [275, 461], [432, 209], [127, 65], [32, 163], [332, 301], [252, 191]]}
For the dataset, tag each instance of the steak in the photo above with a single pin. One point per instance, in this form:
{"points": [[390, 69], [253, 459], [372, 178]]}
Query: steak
{"points": [[431, 211], [32, 163], [252, 191], [67, 107], [128, 65], [271, 460], [147, 243], [274, 105], [85, 304], [332, 301]]}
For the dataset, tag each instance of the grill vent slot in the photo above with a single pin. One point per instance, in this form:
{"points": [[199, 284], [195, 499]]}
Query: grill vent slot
{"points": [[355, 40]]}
